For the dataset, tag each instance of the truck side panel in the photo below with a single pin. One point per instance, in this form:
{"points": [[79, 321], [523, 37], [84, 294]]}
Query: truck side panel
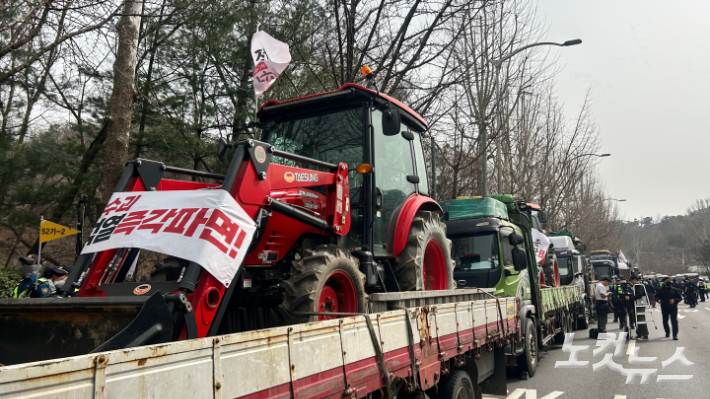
{"points": [[312, 360]]}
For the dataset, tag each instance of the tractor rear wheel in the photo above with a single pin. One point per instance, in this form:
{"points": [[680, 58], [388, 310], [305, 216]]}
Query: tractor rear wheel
{"points": [[326, 279], [425, 262]]}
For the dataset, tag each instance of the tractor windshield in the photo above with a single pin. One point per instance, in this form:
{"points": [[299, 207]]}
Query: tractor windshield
{"points": [[333, 137]]}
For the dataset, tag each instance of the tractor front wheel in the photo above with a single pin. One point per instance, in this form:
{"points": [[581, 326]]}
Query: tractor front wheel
{"points": [[325, 280], [425, 262]]}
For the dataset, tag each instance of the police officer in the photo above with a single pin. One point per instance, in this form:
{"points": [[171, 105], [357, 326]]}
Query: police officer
{"points": [[626, 302], [32, 286], [612, 290], [57, 276], [651, 291], [690, 288], [619, 311], [703, 288], [668, 296]]}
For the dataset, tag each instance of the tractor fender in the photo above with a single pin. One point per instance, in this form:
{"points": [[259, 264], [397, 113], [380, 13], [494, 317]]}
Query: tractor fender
{"points": [[405, 216]]}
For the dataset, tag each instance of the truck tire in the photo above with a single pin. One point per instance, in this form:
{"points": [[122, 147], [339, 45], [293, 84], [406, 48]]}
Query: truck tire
{"points": [[425, 262], [456, 385], [326, 279], [583, 322], [563, 328], [527, 362]]}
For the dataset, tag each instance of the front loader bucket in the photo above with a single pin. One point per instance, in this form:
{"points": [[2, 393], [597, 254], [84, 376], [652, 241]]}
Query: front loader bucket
{"points": [[49, 328]]}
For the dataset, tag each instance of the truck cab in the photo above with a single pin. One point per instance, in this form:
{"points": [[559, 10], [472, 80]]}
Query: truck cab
{"points": [[567, 258], [492, 247], [604, 264], [482, 249]]}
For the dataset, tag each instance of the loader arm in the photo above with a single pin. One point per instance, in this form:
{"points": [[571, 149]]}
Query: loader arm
{"points": [[109, 312]]}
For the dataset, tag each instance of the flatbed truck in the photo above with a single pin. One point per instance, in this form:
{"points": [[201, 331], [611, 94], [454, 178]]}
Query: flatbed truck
{"points": [[492, 246], [410, 342]]}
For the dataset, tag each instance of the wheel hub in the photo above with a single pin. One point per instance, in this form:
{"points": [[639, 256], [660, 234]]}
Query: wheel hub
{"points": [[434, 270], [337, 295]]}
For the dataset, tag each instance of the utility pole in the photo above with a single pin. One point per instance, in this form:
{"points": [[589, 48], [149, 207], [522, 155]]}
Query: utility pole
{"points": [[433, 169], [484, 166]]}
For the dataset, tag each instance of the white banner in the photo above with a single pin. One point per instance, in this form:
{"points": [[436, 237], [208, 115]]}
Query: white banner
{"points": [[207, 227], [271, 57], [542, 244], [622, 257]]}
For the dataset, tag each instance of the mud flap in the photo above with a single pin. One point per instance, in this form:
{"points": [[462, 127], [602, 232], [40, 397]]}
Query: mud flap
{"points": [[153, 325], [496, 384]]}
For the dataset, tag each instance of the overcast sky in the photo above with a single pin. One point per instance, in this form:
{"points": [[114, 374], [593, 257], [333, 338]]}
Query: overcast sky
{"points": [[648, 66]]}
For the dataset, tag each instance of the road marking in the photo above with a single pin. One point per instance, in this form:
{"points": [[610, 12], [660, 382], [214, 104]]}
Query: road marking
{"points": [[532, 394], [681, 317], [552, 395], [520, 392], [619, 396], [632, 345]]}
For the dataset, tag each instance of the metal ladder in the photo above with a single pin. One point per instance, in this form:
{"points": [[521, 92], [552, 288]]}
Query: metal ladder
{"points": [[640, 306]]}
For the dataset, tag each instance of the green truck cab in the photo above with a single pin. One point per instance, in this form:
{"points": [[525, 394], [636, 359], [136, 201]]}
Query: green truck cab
{"points": [[492, 246]]}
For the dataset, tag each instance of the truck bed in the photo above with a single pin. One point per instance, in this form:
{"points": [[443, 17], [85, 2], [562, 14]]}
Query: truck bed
{"points": [[555, 299], [314, 360]]}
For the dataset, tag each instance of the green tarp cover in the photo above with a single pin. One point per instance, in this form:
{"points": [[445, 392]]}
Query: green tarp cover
{"points": [[474, 208], [507, 199], [564, 232]]}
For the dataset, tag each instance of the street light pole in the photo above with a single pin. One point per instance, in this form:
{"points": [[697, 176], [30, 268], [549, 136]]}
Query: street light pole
{"points": [[484, 133], [568, 43]]}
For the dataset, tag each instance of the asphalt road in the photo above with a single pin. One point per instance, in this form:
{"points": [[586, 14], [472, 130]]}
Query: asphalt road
{"points": [[694, 326]]}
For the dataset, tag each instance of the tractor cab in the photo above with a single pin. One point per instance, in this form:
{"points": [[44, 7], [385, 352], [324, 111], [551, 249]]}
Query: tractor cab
{"points": [[378, 138], [334, 205]]}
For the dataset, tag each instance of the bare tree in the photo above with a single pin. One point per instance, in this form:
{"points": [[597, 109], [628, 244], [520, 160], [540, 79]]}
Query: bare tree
{"points": [[698, 232], [122, 98]]}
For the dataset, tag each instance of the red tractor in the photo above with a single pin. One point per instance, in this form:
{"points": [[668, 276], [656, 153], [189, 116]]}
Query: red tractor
{"points": [[337, 188]]}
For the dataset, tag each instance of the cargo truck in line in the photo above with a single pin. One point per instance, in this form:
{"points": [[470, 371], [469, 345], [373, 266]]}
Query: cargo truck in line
{"points": [[492, 246]]}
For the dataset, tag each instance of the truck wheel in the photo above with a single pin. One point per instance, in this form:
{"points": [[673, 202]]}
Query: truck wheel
{"points": [[583, 322], [562, 330], [527, 362], [327, 279], [425, 262], [456, 385]]}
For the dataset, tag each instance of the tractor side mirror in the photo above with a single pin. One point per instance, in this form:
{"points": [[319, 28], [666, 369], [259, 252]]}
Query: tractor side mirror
{"points": [[515, 239], [542, 217], [222, 148], [520, 259], [391, 121]]}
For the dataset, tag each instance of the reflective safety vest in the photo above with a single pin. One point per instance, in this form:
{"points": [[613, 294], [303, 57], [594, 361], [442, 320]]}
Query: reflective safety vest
{"points": [[39, 288]]}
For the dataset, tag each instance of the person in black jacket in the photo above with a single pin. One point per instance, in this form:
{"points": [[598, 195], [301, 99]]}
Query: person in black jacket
{"points": [[690, 289], [651, 291], [669, 297]]}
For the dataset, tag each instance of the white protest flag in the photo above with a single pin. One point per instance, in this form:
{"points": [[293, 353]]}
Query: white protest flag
{"points": [[622, 257], [542, 244], [271, 57], [207, 227]]}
